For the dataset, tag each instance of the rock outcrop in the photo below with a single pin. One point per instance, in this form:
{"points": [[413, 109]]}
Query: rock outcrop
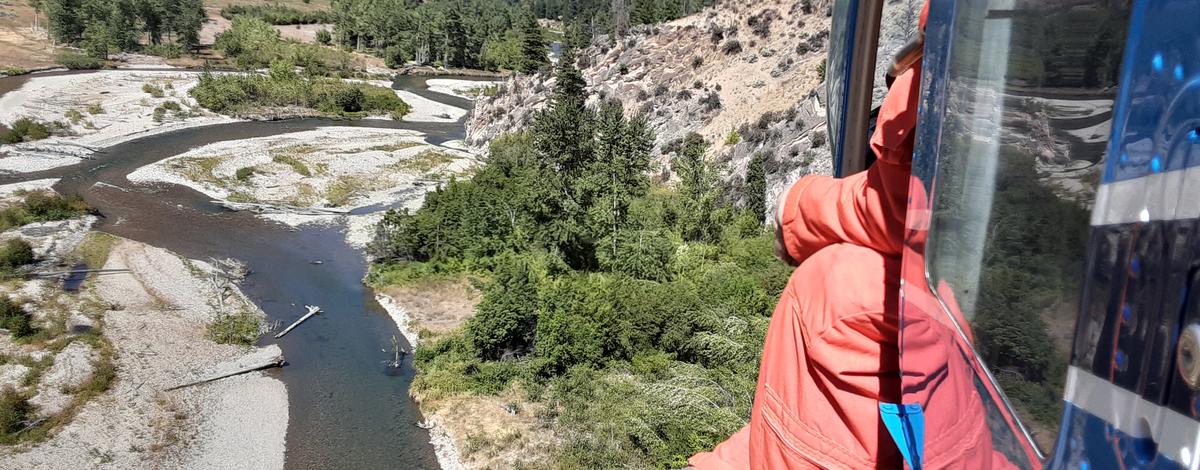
{"points": [[743, 74]]}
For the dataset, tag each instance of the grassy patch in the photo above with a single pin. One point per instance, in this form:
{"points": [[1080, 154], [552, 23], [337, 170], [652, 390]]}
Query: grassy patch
{"points": [[396, 146], [15, 410], [240, 94], [153, 90], [14, 71], [302, 149], [244, 174], [242, 328], [75, 61], [73, 115], [488, 90], [342, 191], [95, 248], [425, 162], [42, 207], [104, 375], [15, 319], [27, 130], [95, 108], [199, 169], [290, 160], [278, 14], [306, 195], [241, 196]]}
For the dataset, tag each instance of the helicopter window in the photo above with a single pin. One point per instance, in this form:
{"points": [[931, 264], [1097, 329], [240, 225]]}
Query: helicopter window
{"points": [[1029, 97]]}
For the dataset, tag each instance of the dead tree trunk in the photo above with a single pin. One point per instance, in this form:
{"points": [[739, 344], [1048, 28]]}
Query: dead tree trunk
{"points": [[312, 310]]}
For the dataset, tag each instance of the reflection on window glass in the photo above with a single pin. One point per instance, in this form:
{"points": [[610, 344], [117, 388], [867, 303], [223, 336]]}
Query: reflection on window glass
{"points": [[1028, 110], [835, 71], [898, 25]]}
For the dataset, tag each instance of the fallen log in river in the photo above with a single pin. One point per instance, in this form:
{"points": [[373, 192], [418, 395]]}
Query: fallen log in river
{"points": [[250, 365]]}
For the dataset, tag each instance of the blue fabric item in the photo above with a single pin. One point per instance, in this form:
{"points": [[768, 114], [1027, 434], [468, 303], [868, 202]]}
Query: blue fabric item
{"points": [[906, 424]]}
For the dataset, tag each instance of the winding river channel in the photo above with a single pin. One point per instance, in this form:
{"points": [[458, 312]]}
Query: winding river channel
{"points": [[346, 408]]}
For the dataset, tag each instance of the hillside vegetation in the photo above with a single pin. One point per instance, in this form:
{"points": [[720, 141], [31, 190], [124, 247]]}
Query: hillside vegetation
{"points": [[745, 75], [629, 315], [252, 44], [488, 34]]}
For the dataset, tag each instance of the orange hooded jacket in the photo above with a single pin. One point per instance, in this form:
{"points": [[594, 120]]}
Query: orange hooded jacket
{"points": [[832, 350], [831, 353]]}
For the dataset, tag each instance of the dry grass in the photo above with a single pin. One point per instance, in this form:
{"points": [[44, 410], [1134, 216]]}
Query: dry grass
{"points": [[95, 248], [426, 163], [199, 169], [397, 146], [297, 4], [20, 45], [437, 306], [502, 431]]}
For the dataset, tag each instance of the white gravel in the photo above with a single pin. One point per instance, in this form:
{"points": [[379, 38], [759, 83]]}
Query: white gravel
{"points": [[365, 161], [11, 375], [157, 333], [72, 366], [244, 419], [427, 110], [458, 87], [360, 229], [400, 317], [7, 190], [128, 113]]}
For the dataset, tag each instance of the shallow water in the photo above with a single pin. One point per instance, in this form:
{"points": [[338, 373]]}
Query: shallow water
{"points": [[346, 408]]}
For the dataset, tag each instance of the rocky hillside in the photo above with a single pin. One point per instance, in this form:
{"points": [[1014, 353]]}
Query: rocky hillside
{"points": [[744, 74]]}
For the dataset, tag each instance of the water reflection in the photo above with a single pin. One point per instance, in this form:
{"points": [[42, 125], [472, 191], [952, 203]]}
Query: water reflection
{"points": [[1025, 104]]}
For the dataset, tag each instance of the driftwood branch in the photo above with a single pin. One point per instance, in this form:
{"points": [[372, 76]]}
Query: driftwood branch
{"points": [[312, 310], [77, 271], [276, 361], [262, 208]]}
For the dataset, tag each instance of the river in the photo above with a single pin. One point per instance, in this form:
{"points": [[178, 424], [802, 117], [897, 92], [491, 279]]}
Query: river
{"points": [[346, 408]]}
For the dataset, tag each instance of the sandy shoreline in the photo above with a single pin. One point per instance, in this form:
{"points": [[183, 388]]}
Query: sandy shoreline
{"points": [[444, 448], [468, 89], [155, 321]]}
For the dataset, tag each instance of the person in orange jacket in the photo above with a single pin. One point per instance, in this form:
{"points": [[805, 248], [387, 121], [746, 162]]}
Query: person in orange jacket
{"points": [[831, 354]]}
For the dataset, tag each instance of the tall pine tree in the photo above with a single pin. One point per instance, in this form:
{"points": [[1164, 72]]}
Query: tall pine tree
{"points": [[533, 47], [756, 187]]}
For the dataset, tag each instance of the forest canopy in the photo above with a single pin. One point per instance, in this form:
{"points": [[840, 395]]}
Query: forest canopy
{"points": [[490, 34], [634, 312], [104, 26]]}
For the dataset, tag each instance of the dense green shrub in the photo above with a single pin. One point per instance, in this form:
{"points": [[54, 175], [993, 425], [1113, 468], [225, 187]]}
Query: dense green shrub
{"points": [[15, 253], [15, 412], [277, 14], [324, 37], [166, 51], [44, 207], [504, 321], [635, 313], [244, 174], [243, 327], [24, 130], [251, 43], [75, 61], [642, 254], [15, 319], [237, 93]]}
